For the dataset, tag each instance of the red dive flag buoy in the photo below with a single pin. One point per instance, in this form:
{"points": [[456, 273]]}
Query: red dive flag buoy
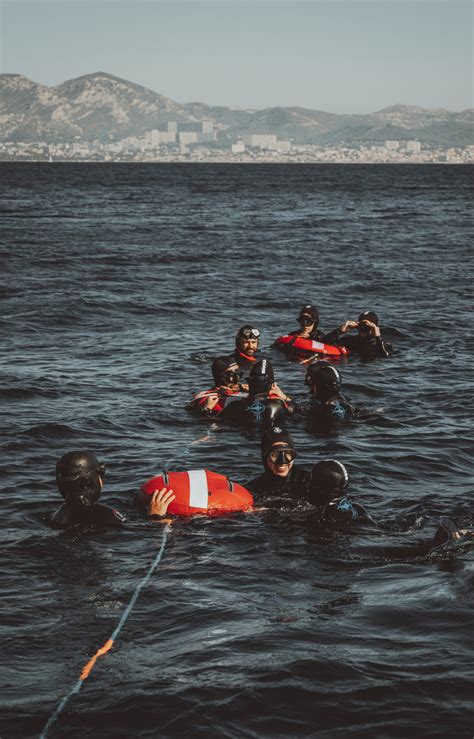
{"points": [[201, 491]]}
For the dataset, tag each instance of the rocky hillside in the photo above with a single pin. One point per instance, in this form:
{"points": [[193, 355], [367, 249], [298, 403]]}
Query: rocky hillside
{"points": [[107, 108], [96, 106]]}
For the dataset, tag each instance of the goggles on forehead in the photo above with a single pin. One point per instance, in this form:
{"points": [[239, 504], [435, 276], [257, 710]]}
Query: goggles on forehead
{"points": [[282, 456], [249, 333]]}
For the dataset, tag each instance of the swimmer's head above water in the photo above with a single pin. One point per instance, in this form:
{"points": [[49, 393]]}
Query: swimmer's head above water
{"points": [[309, 316], [367, 321], [323, 380], [246, 340], [79, 476], [226, 372], [278, 451], [261, 378], [330, 475]]}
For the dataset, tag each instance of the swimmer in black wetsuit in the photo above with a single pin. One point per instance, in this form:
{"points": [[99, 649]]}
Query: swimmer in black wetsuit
{"points": [[327, 407], [246, 347], [308, 320], [283, 481], [324, 487], [326, 491], [79, 476], [227, 388], [367, 342], [265, 402]]}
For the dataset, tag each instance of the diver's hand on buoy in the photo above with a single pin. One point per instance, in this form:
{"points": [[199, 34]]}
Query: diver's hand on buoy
{"points": [[160, 501]]}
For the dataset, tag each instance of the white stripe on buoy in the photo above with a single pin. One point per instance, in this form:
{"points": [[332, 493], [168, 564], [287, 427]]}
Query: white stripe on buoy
{"points": [[317, 346], [198, 493]]}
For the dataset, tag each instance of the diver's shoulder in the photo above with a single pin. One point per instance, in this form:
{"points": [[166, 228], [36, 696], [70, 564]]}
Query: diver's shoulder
{"points": [[103, 515]]}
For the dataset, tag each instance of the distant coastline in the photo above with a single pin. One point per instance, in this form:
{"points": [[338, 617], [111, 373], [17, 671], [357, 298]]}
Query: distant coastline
{"points": [[100, 117], [235, 162]]}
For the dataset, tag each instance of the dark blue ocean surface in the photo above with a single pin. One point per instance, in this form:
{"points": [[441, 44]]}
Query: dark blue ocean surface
{"points": [[119, 282]]}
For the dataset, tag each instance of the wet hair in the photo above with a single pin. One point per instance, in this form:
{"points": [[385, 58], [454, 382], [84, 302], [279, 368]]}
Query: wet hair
{"points": [[261, 377], [310, 310], [369, 315], [325, 377], [220, 366], [77, 477], [330, 476]]}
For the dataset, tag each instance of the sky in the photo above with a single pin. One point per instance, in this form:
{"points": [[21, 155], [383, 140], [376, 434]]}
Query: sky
{"points": [[340, 56]]}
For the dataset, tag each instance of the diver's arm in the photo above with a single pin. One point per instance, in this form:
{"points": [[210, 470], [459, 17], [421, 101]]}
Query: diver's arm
{"points": [[102, 515], [343, 511], [334, 335], [384, 348], [206, 403]]}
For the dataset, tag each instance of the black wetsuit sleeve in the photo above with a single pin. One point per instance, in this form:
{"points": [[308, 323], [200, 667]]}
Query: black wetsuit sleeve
{"points": [[331, 337], [337, 411], [141, 501], [384, 348], [373, 347], [275, 410], [234, 412], [106, 517], [346, 513], [254, 485]]}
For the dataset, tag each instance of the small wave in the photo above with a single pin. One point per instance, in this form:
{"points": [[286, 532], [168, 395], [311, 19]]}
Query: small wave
{"points": [[55, 430], [20, 393]]}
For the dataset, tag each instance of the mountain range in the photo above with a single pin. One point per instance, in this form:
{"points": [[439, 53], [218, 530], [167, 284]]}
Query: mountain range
{"points": [[106, 108]]}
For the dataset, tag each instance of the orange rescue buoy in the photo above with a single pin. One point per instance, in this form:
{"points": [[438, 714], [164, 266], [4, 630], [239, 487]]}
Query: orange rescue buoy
{"points": [[288, 343], [201, 491]]}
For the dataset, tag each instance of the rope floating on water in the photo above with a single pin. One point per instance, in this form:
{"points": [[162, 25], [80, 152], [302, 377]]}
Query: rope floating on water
{"points": [[88, 667]]}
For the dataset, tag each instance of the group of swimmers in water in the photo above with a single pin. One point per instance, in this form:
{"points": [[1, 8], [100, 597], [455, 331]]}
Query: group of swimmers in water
{"points": [[245, 393]]}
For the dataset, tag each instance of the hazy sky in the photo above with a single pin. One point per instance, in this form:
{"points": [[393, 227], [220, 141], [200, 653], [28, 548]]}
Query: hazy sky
{"points": [[342, 56]]}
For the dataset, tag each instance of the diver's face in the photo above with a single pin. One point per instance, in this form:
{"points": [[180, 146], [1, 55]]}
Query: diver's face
{"points": [[248, 346], [280, 459], [232, 377], [364, 328], [307, 323]]}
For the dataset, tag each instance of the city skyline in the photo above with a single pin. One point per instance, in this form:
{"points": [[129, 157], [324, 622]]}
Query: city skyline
{"points": [[341, 57]]}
